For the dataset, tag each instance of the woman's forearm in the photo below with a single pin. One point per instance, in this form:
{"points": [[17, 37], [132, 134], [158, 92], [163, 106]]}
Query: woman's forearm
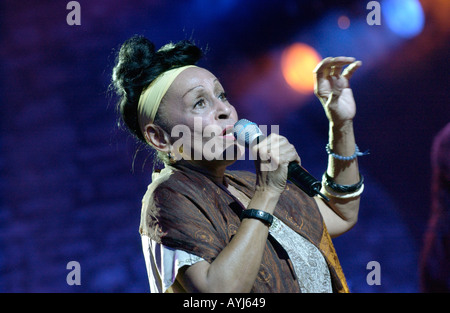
{"points": [[236, 267], [342, 142]]}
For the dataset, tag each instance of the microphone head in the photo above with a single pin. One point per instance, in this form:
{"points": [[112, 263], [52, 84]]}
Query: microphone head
{"points": [[246, 132]]}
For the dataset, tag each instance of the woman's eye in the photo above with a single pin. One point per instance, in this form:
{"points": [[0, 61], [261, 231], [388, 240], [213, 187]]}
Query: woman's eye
{"points": [[200, 103], [223, 96]]}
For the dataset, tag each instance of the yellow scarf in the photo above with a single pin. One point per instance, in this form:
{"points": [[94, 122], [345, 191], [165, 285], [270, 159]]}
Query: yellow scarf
{"points": [[151, 96]]}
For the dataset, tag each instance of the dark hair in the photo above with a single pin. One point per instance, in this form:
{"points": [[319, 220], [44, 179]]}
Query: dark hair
{"points": [[138, 64]]}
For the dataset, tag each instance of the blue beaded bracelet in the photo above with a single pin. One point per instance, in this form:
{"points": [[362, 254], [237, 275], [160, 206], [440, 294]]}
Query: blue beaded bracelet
{"points": [[345, 158]]}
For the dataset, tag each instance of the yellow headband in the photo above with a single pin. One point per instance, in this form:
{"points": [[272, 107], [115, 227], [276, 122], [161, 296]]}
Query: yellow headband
{"points": [[151, 96]]}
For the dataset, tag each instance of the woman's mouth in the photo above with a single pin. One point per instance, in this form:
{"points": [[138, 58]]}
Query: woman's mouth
{"points": [[227, 133]]}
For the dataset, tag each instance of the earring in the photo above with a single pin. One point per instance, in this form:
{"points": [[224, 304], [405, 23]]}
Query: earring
{"points": [[170, 157]]}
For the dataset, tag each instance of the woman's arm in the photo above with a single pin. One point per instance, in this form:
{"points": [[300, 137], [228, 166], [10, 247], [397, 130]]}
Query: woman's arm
{"points": [[332, 88], [341, 214]]}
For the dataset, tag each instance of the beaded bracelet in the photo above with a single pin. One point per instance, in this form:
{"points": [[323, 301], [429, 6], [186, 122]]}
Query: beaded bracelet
{"points": [[345, 158]]}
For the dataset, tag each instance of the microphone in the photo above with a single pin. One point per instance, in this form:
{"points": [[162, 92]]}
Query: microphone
{"points": [[247, 132]]}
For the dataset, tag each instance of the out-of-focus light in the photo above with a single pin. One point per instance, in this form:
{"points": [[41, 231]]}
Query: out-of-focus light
{"points": [[297, 63], [343, 22], [404, 17]]}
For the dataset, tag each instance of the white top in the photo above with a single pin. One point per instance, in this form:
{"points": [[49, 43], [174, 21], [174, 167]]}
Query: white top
{"points": [[309, 264]]}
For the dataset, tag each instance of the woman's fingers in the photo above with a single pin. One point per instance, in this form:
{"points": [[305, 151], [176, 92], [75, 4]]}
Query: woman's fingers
{"points": [[281, 150], [332, 66], [276, 148], [351, 69], [323, 68], [262, 150]]}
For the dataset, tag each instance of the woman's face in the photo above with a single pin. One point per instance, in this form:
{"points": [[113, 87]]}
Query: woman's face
{"points": [[200, 117]]}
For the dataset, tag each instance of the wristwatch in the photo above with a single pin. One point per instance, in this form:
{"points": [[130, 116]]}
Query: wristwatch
{"points": [[258, 214]]}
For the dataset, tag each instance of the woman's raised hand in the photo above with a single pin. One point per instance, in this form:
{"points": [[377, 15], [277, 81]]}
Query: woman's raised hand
{"points": [[333, 89]]}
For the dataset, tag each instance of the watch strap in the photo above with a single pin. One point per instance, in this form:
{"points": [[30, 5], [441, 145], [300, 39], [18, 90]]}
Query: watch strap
{"points": [[265, 217]]}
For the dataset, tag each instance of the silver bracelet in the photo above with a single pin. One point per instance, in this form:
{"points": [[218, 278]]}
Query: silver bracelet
{"points": [[329, 192], [332, 194], [345, 158]]}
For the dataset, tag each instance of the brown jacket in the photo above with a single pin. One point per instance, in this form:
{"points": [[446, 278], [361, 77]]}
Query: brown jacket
{"points": [[183, 209]]}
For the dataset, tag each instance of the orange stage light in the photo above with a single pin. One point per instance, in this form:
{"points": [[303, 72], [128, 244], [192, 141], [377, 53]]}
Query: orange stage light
{"points": [[297, 63]]}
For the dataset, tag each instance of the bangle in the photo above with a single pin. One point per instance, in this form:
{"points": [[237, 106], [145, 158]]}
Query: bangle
{"points": [[332, 194], [265, 217], [345, 158], [327, 181]]}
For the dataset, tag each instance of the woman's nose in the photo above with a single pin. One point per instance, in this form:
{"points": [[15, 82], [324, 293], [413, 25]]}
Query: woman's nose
{"points": [[223, 110]]}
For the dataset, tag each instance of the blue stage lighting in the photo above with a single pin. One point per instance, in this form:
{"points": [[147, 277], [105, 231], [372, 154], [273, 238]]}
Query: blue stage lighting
{"points": [[403, 17]]}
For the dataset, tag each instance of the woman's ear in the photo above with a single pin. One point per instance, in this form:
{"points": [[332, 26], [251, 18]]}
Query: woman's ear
{"points": [[157, 137]]}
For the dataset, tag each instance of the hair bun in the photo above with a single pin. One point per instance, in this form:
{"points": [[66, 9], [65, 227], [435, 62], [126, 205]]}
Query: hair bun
{"points": [[180, 54], [138, 64], [135, 56]]}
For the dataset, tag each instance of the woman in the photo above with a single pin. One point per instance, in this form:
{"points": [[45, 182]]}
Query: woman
{"points": [[206, 229]]}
